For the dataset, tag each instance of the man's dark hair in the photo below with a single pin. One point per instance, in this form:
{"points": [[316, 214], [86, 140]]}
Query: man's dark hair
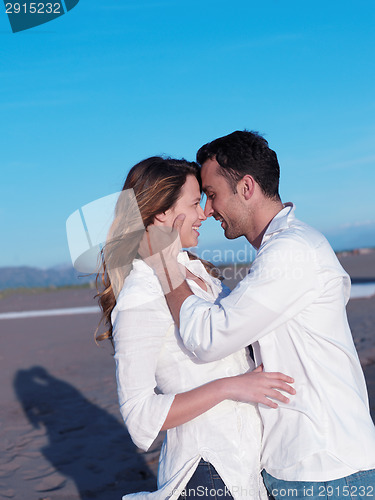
{"points": [[242, 153]]}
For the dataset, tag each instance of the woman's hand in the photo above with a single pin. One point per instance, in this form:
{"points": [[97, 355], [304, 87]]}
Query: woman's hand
{"points": [[258, 386], [252, 387]]}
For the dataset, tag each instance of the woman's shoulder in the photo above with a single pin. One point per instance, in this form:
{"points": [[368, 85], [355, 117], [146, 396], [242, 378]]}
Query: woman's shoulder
{"points": [[142, 296], [140, 286]]}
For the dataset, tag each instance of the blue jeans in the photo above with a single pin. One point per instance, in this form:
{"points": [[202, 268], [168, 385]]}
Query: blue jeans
{"points": [[205, 484], [358, 486]]}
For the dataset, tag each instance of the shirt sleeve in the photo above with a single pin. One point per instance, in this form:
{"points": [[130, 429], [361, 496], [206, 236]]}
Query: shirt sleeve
{"points": [[283, 280], [138, 338]]}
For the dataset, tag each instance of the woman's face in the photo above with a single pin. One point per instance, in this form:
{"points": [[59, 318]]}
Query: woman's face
{"points": [[188, 204]]}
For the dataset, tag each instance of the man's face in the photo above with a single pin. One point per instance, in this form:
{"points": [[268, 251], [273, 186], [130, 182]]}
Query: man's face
{"points": [[222, 203]]}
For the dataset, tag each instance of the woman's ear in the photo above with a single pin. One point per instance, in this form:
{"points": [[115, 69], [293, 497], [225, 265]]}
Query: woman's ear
{"points": [[161, 219]]}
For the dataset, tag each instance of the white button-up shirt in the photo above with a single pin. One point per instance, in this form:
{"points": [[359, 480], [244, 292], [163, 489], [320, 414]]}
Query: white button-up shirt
{"points": [[149, 354], [291, 308]]}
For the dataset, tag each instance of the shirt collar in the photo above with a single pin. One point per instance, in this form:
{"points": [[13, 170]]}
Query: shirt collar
{"points": [[183, 258], [280, 222], [141, 265], [194, 266]]}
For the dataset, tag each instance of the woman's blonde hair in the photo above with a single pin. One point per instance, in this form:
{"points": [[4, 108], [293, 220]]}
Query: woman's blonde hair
{"points": [[154, 185]]}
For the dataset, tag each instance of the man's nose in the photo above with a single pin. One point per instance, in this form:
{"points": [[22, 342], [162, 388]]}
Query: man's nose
{"points": [[208, 210]]}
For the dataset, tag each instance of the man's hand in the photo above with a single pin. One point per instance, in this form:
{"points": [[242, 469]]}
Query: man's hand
{"points": [[159, 248]]}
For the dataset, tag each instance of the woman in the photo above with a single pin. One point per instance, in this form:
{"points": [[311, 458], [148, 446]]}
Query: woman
{"points": [[214, 434]]}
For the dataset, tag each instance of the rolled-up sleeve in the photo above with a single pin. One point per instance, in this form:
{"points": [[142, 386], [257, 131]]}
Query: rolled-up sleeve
{"points": [[283, 280], [138, 338]]}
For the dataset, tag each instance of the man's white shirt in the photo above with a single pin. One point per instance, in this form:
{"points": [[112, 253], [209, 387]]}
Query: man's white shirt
{"points": [[291, 308]]}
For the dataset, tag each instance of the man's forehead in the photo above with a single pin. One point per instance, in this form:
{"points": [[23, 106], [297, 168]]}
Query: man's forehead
{"points": [[209, 174], [210, 165], [209, 170]]}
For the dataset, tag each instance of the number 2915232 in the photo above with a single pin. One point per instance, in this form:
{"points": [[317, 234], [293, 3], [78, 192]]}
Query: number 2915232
{"points": [[33, 8]]}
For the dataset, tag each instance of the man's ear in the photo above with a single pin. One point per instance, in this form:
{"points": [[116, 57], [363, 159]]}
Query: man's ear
{"points": [[246, 187]]}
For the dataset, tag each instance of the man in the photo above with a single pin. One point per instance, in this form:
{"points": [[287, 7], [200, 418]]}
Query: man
{"points": [[291, 308]]}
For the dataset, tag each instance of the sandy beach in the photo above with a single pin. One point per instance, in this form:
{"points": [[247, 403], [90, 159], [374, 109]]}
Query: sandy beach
{"points": [[61, 433]]}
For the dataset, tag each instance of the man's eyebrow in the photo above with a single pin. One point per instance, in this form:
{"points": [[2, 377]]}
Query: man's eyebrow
{"points": [[205, 188]]}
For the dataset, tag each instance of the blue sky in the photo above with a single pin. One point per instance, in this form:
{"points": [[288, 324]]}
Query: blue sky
{"points": [[86, 96]]}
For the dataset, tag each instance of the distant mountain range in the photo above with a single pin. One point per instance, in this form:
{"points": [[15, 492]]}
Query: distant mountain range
{"points": [[30, 277], [217, 251], [359, 235]]}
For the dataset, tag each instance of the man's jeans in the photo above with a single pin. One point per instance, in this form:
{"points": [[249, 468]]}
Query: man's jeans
{"points": [[205, 483], [358, 486]]}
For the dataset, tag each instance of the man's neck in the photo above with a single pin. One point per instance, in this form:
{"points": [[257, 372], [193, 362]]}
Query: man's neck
{"points": [[265, 214]]}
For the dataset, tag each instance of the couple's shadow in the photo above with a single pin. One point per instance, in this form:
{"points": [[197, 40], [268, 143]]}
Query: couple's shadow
{"points": [[86, 443]]}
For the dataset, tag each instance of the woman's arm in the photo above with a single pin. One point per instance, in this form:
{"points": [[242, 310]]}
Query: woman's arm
{"points": [[138, 333], [252, 387]]}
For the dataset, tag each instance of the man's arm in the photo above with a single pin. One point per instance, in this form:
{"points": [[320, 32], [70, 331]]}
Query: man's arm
{"points": [[176, 298], [283, 281], [160, 248]]}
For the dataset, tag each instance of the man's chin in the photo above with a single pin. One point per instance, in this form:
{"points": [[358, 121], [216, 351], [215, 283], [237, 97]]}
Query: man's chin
{"points": [[230, 236], [227, 233]]}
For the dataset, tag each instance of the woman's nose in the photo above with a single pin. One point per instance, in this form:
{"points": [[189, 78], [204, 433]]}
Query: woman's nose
{"points": [[201, 214]]}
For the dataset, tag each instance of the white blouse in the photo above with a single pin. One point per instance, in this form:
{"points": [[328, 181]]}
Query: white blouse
{"points": [[150, 355]]}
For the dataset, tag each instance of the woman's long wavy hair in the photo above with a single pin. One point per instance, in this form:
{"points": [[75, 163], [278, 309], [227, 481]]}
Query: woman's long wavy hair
{"points": [[155, 185]]}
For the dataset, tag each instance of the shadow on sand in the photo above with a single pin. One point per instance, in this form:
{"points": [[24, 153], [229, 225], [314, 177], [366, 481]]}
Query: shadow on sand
{"points": [[86, 443]]}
